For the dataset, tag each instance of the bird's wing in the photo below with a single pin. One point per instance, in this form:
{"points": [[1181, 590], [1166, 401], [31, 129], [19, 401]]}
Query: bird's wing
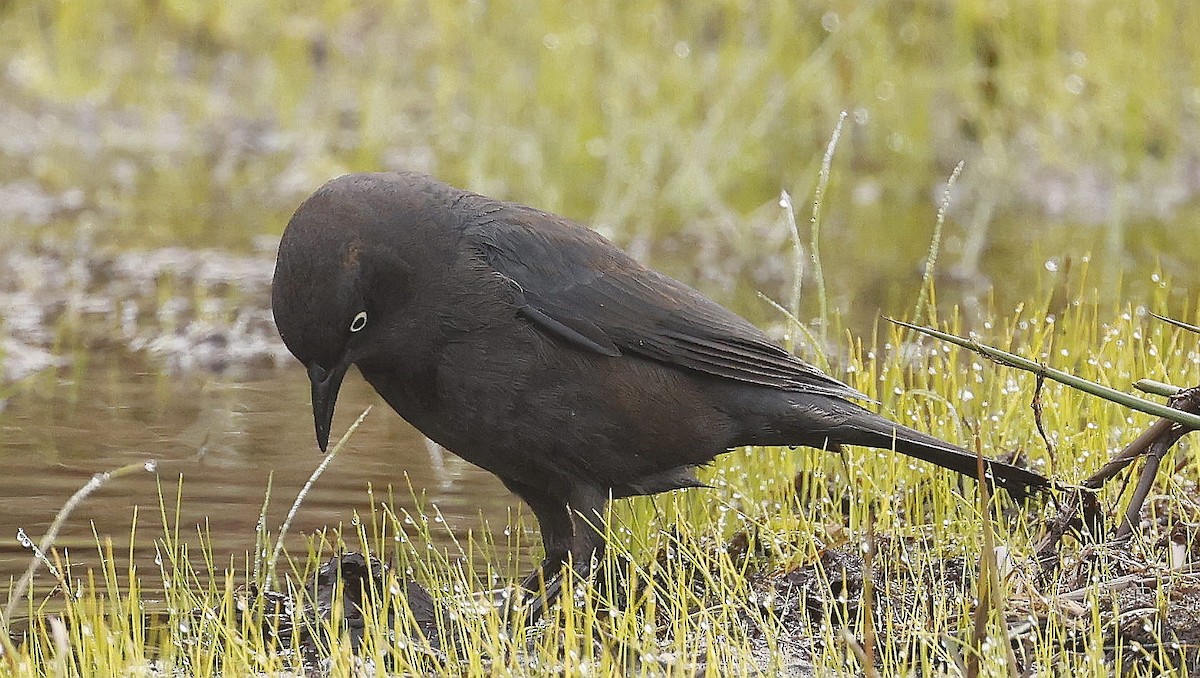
{"points": [[581, 288]]}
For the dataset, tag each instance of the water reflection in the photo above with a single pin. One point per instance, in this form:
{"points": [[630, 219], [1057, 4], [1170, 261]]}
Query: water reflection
{"points": [[226, 438]]}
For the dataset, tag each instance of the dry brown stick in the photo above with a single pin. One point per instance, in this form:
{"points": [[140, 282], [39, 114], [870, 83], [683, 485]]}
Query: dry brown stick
{"points": [[1128, 455], [1188, 573], [1083, 499], [1037, 417], [1177, 323], [1158, 450], [868, 596], [1079, 500]]}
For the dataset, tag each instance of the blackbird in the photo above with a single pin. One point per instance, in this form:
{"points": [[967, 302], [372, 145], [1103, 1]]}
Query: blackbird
{"points": [[534, 348]]}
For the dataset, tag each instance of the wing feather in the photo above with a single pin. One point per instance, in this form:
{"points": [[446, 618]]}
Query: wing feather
{"points": [[581, 288]]}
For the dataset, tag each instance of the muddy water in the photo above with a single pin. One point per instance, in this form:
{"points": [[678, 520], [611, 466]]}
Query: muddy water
{"points": [[226, 437]]}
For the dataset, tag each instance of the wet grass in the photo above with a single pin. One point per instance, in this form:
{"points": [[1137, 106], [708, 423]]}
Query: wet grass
{"points": [[148, 124], [764, 572]]}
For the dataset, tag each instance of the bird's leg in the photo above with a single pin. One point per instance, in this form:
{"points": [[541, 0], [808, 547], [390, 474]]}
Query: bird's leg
{"points": [[587, 514], [585, 545], [558, 533], [586, 506]]}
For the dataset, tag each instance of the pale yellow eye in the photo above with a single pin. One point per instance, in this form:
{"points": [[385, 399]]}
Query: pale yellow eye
{"points": [[359, 322]]}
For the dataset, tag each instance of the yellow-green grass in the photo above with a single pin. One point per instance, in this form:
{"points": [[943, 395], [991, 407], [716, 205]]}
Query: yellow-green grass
{"points": [[690, 112], [664, 124], [701, 564]]}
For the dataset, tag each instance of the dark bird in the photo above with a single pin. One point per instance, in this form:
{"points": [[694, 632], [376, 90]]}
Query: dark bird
{"points": [[533, 347]]}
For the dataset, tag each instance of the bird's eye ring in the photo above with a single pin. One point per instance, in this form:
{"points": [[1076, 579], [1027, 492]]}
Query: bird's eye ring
{"points": [[359, 322]]}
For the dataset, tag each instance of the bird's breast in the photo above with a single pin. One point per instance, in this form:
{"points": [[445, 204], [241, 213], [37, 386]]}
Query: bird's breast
{"points": [[510, 398]]}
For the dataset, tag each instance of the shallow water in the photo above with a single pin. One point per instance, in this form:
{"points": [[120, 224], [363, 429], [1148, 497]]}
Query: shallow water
{"points": [[226, 437]]}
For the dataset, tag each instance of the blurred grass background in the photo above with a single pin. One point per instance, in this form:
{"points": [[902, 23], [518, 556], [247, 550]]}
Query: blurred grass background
{"points": [[670, 126]]}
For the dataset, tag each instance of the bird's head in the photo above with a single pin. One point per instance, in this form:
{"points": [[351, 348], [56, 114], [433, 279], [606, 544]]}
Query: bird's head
{"points": [[342, 276]]}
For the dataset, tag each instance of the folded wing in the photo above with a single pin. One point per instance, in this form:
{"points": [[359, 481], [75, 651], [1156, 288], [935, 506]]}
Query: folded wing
{"points": [[580, 288]]}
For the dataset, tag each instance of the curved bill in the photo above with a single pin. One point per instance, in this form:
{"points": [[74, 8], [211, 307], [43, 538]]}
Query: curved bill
{"points": [[325, 385]]}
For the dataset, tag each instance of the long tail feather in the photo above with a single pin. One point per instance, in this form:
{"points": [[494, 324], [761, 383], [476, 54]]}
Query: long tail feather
{"points": [[872, 430]]}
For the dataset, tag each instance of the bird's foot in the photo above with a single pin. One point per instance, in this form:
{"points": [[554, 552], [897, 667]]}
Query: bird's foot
{"points": [[543, 587]]}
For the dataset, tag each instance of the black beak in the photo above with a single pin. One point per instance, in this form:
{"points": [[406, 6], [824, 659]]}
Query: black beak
{"points": [[325, 385]]}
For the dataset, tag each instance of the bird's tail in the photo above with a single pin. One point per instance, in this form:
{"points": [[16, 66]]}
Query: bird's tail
{"points": [[868, 429]]}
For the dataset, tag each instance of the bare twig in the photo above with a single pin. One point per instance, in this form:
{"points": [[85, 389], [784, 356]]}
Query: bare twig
{"points": [[96, 482], [1013, 360], [868, 595], [1158, 449], [287, 522], [1155, 441], [1036, 405], [1177, 323], [1188, 402], [1157, 388]]}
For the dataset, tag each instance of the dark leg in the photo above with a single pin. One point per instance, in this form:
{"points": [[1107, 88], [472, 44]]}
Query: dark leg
{"points": [[554, 523], [586, 506], [587, 513], [571, 529]]}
